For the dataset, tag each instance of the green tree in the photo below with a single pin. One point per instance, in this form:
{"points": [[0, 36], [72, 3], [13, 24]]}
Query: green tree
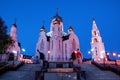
{"points": [[5, 39]]}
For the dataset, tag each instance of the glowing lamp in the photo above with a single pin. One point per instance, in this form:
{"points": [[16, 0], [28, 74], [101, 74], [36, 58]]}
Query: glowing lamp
{"points": [[48, 52], [89, 52], [23, 50], [114, 54], [92, 49], [108, 53], [75, 51], [14, 52], [118, 55]]}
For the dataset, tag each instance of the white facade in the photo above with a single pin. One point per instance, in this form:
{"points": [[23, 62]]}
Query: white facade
{"points": [[97, 46], [57, 45], [15, 48]]}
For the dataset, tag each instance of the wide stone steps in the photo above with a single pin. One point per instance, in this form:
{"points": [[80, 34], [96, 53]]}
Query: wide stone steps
{"points": [[94, 73]]}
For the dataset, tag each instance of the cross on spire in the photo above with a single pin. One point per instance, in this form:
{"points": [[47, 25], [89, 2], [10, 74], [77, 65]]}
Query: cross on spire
{"points": [[43, 22], [56, 11], [70, 23], [15, 20]]}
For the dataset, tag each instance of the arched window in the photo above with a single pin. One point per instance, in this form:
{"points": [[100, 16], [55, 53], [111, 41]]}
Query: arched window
{"points": [[59, 44], [42, 45], [52, 44], [58, 29], [95, 40], [73, 44], [96, 51], [65, 51], [94, 32]]}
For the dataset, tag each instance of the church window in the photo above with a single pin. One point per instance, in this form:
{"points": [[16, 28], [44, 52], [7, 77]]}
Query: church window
{"points": [[65, 48], [58, 29], [96, 51], [59, 44], [42, 45], [52, 44], [94, 32], [66, 51], [95, 40], [73, 44]]}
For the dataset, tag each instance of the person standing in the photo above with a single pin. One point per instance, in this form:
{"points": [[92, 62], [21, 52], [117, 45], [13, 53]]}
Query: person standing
{"points": [[78, 56]]}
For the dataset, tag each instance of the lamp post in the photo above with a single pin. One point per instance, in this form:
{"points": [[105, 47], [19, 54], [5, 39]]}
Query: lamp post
{"points": [[22, 52], [118, 56], [114, 54], [107, 55], [14, 53], [89, 52]]}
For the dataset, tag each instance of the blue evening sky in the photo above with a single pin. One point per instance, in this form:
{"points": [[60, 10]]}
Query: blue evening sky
{"points": [[31, 13]]}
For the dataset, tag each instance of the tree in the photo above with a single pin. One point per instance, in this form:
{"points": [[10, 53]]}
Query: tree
{"points": [[5, 39]]}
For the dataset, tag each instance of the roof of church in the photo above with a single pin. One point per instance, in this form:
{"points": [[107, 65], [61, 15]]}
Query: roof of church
{"points": [[15, 25], [42, 27], [57, 17], [71, 28], [48, 38], [66, 37]]}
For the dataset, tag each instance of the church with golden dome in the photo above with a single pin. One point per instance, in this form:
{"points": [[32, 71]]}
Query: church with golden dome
{"points": [[57, 45]]}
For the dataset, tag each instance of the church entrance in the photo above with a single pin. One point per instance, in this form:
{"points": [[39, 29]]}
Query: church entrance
{"points": [[11, 57]]}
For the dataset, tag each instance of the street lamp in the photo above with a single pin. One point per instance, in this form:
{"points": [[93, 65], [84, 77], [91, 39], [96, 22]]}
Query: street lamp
{"points": [[15, 54], [118, 56], [23, 50], [107, 55], [92, 49], [89, 52], [114, 54]]}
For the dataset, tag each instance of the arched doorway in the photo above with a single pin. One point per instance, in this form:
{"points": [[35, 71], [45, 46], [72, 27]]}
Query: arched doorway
{"points": [[11, 57]]}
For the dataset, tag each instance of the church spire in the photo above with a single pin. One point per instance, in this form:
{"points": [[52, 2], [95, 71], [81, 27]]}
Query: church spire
{"points": [[57, 17], [70, 29], [95, 30], [15, 20], [94, 24], [56, 11], [42, 29], [43, 23]]}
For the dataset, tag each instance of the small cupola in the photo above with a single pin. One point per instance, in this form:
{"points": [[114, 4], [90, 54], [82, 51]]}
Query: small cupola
{"points": [[42, 29], [70, 29]]}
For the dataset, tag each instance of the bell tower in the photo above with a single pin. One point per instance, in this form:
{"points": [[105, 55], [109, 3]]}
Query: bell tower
{"points": [[97, 46], [15, 48]]}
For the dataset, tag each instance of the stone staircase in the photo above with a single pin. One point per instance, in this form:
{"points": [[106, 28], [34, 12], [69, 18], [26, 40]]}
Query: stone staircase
{"points": [[94, 73]]}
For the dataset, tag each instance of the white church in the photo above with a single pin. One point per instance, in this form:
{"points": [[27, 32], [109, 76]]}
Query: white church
{"points": [[14, 50], [57, 45], [97, 45]]}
